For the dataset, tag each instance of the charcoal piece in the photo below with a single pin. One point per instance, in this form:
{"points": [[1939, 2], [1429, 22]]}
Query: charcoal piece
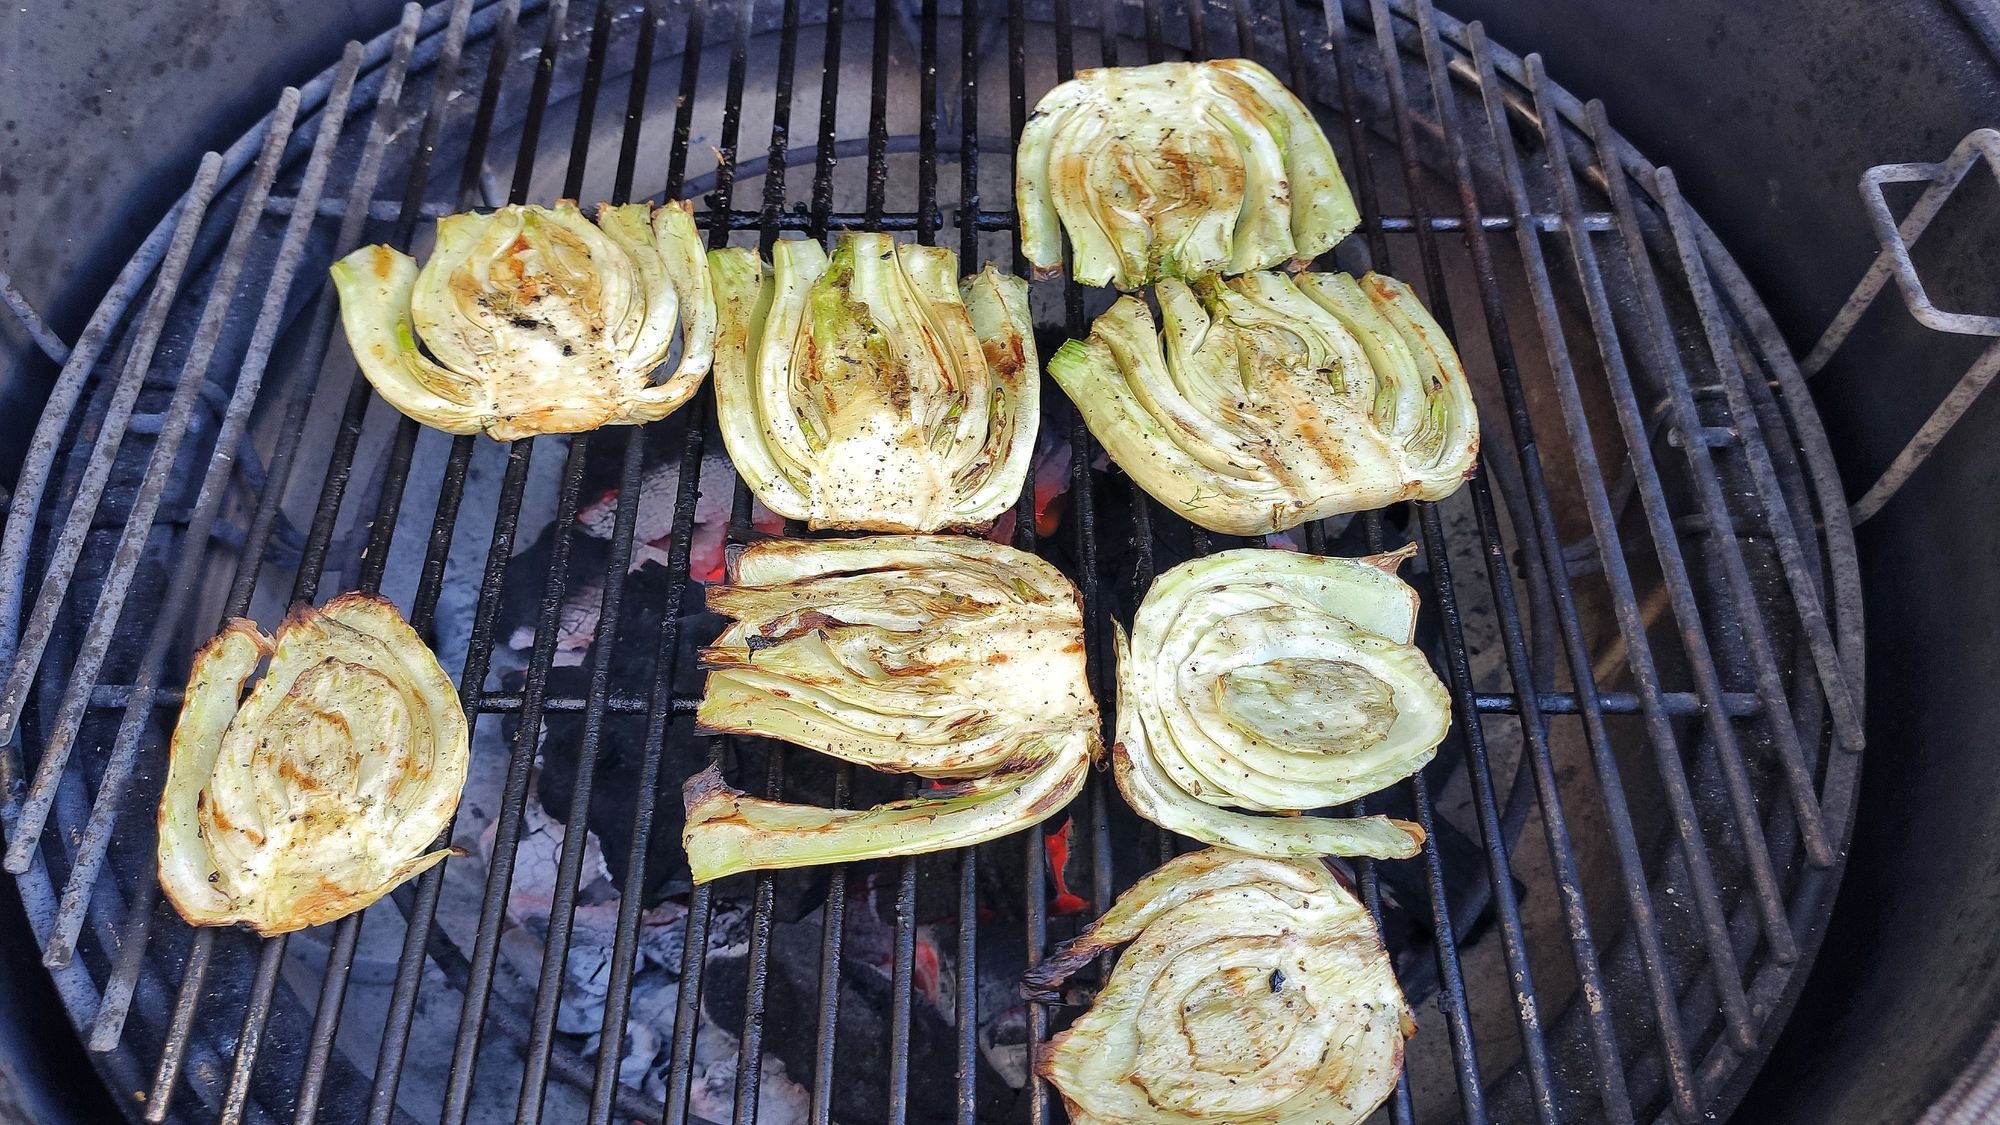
{"points": [[528, 574], [615, 793], [795, 892], [862, 1047]]}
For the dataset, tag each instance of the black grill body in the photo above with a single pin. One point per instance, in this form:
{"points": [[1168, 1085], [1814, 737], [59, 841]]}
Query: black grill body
{"points": [[1624, 320]]}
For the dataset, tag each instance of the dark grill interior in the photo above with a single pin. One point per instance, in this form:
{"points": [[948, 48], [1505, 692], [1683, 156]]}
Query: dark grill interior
{"points": [[1646, 598]]}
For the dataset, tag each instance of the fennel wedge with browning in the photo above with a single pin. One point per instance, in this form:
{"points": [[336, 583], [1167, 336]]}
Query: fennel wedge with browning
{"points": [[1261, 402], [534, 320], [949, 658], [873, 389], [322, 789], [1276, 682], [1179, 169], [1253, 990]]}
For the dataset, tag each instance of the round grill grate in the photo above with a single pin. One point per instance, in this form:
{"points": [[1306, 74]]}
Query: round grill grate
{"points": [[1645, 604]]}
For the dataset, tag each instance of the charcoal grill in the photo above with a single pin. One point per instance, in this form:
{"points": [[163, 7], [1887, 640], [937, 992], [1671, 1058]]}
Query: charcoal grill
{"points": [[1646, 603]]}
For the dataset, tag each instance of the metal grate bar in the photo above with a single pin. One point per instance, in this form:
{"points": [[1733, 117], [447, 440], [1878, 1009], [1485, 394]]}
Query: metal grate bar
{"points": [[1155, 34], [659, 711], [781, 127], [1615, 1103], [833, 921], [687, 1002], [1034, 890], [986, 220], [750, 1045], [569, 866], [375, 559], [1083, 511], [1792, 554], [586, 103], [1615, 1100], [326, 1022], [1777, 921], [1197, 29], [1615, 1097], [396, 472], [420, 905], [508, 826], [1402, 1108], [1362, 183], [61, 566], [1673, 1045], [271, 957], [119, 765], [1083, 525], [1143, 507], [824, 152], [23, 509], [833, 911], [418, 933], [1485, 804], [658, 719], [256, 1014], [635, 102], [118, 993], [110, 602], [1618, 814], [234, 255], [1632, 626], [340, 466], [902, 965], [927, 124], [1672, 769], [193, 974], [1736, 704], [1452, 996], [701, 902], [877, 198], [1083, 451], [757, 980], [498, 60], [1144, 565], [1673, 773], [303, 387], [966, 1013], [185, 228], [257, 1010], [34, 808], [107, 1025], [1774, 509], [1776, 709]]}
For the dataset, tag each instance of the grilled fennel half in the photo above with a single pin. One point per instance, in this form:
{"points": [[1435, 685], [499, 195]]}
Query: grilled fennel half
{"points": [[1255, 989], [945, 657], [1263, 401], [322, 789], [1179, 169], [873, 389], [1276, 682], [534, 320]]}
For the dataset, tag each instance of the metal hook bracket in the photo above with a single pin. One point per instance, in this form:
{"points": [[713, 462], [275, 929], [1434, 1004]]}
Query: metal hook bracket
{"points": [[1897, 238]]}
